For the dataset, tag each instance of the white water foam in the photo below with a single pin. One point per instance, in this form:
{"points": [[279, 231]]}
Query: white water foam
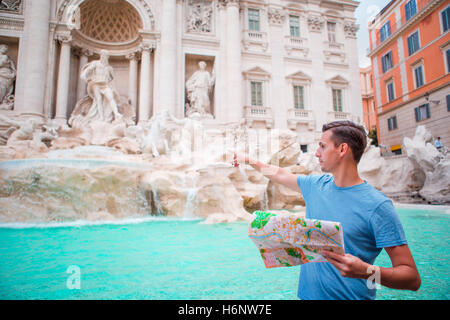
{"points": [[441, 208], [83, 223]]}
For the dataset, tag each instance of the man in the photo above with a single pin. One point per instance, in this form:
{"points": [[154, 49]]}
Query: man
{"points": [[438, 143], [368, 220]]}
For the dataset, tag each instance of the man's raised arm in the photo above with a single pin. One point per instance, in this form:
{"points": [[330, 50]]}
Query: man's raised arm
{"points": [[274, 173]]}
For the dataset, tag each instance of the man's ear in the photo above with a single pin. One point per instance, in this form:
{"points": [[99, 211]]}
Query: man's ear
{"points": [[343, 149]]}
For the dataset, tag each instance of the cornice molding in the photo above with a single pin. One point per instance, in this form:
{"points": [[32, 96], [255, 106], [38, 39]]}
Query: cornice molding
{"points": [[419, 16]]}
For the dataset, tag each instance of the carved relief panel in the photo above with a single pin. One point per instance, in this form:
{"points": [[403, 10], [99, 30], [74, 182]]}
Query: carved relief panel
{"points": [[199, 16], [14, 6]]}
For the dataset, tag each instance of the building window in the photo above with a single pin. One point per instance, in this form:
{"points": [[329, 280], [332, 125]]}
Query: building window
{"points": [[304, 148], [418, 76], [413, 43], [256, 88], [385, 31], [294, 24], [447, 57], [386, 61], [445, 15], [390, 91], [331, 27], [253, 19], [337, 100], [448, 102], [392, 123], [299, 97], [422, 112], [410, 9]]}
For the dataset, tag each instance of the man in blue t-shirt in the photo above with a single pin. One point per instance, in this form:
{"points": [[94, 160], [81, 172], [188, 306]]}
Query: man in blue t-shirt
{"points": [[367, 216]]}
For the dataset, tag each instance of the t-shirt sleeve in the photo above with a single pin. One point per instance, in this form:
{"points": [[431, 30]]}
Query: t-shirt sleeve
{"points": [[304, 183], [386, 226]]}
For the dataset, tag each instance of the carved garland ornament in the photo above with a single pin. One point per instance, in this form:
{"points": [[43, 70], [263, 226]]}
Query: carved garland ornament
{"points": [[276, 16], [350, 29], [315, 23]]}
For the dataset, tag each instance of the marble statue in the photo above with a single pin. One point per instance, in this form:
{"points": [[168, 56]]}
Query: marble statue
{"points": [[102, 103], [22, 130], [155, 140], [99, 75], [7, 76], [198, 88], [28, 137]]}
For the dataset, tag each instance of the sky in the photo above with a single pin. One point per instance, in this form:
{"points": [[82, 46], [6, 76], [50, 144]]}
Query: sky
{"points": [[366, 11]]}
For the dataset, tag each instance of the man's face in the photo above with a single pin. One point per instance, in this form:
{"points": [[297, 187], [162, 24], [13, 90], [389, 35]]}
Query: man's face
{"points": [[327, 153]]}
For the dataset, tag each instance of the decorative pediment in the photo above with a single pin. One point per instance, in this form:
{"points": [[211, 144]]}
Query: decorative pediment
{"points": [[256, 73], [339, 80], [299, 76]]}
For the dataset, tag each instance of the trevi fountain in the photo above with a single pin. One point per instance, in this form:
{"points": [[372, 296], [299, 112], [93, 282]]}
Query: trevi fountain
{"points": [[102, 166]]}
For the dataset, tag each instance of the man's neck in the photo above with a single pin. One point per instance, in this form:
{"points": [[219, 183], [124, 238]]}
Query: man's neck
{"points": [[346, 175]]}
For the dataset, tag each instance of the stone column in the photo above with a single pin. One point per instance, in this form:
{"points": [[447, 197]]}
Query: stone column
{"points": [[319, 90], [145, 85], [278, 104], [354, 99], [168, 61], [133, 79], [62, 94], [220, 103], [31, 83], [234, 76], [81, 85]]}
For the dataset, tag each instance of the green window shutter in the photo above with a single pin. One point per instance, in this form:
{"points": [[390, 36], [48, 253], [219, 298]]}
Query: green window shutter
{"points": [[253, 19], [253, 89], [337, 100], [340, 100], [427, 106], [294, 24], [298, 97], [417, 113]]}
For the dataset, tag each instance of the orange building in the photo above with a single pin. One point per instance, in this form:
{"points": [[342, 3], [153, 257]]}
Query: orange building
{"points": [[410, 54], [368, 102]]}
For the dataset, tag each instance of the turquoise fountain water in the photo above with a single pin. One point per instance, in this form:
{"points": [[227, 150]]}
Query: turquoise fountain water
{"points": [[163, 258]]}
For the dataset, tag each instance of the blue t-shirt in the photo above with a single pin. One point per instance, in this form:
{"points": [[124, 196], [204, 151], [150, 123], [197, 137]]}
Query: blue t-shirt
{"points": [[369, 223]]}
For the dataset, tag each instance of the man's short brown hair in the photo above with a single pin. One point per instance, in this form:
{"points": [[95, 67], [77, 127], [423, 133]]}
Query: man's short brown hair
{"points": [[348, 132]]}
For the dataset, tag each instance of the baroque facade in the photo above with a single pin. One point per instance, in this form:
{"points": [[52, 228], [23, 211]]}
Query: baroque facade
{"points": [[270, 63]]}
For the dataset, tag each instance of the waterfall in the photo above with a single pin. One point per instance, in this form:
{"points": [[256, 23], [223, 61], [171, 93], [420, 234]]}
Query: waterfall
{"points": [[265, 201], [243, 174], [191, 203], [191, 206], [157, 209]]}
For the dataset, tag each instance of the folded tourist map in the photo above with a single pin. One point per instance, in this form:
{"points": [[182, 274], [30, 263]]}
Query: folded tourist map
{"points": [[286, 240]]}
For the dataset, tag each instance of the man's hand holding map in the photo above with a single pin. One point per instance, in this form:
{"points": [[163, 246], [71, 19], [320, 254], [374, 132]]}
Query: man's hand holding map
{"points": [[286, 240]]}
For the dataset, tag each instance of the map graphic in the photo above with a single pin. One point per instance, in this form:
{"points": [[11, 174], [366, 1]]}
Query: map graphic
{"points": [[286, 240]]}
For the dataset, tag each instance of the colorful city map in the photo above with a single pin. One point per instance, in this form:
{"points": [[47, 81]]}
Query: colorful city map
{"points": [[286, 240]]}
